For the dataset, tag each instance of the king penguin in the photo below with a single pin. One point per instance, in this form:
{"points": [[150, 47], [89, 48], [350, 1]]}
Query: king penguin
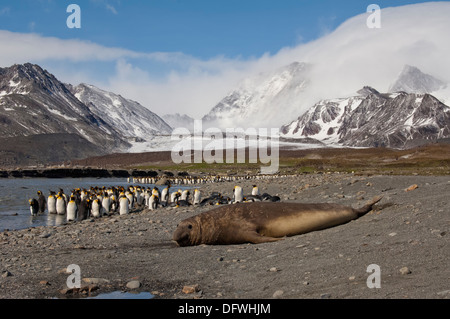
{"points": [[34, 206], [185, 195], [96, 208], [197, 197], [51, 203], [124, 207], [60, 205], [255, 190], [165, 194], [130, 198], [84, 209], [106, 204], [175, 196], [72, 209], [42, 202], [238, 194], [153, 202]]}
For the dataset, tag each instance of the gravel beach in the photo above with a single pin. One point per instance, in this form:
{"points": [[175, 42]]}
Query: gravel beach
{"points": [[406, 235]]}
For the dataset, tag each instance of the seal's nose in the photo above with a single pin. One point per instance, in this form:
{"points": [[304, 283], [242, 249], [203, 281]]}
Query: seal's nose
{"points": [[181, 237]]}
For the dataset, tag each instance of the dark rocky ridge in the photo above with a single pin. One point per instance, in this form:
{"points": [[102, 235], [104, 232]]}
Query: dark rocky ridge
{"points": [[74, 173]]}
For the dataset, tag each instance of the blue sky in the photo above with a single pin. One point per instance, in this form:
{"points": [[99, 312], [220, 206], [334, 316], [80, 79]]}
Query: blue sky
{"points": [[201, 28]]}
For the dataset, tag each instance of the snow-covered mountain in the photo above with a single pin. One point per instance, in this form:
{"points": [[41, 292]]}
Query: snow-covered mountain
{"points": [[372, 119], [412, 80], [40, 111], [130, 118], [264, 101], [33, 101]]}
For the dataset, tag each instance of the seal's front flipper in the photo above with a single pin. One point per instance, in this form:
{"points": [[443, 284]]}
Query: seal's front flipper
{"points": [[256, 238]]}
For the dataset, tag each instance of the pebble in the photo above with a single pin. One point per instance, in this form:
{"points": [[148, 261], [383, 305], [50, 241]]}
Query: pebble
{"points": [[95, 280], [273, 269], [190, 289], [278, 294], [443, 293], [134, 284], [411, 188], [405, 271]]}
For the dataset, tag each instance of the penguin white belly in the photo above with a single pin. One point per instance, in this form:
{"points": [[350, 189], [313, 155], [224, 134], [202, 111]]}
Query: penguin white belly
{"points": [[153, 203], [238, 194], [60, 206], [147, 199], [184, 195], [96, 208], [165, 194], [106, 204], [71, 211], [174, 196], [124, 207], [197, 197], [51, 204]]}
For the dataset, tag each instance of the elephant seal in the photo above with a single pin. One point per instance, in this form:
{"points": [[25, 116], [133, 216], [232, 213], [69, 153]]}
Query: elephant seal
{"points": [[262, 222]]}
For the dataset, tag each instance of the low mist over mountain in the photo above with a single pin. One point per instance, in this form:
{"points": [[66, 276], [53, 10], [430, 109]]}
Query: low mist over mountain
{"points": [[265, 100], [412, 80], [179, 120]]}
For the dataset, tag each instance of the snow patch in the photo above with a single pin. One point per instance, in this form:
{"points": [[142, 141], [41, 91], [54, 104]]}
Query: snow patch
{"points": [[13, 84], [56, 112]]}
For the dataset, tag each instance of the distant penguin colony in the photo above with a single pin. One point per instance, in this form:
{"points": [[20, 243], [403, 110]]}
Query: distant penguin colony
{"points": [[191, 180], [97, 202]]}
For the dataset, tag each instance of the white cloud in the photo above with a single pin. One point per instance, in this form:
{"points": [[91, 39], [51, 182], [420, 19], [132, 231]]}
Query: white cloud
{"points": [[22, 47], [111, 8], [344, 61], [106, 4]]}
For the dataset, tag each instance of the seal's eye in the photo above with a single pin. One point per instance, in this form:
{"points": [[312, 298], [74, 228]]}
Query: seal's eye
{"points": [[190, 226]]}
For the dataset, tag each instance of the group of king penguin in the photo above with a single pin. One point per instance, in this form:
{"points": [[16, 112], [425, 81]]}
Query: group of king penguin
{"points": [[238, 197], [101, 201]]}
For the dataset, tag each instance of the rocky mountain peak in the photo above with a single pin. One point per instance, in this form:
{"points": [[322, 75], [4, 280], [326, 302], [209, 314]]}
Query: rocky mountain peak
{"points": [[367, 90], [395, 120]]}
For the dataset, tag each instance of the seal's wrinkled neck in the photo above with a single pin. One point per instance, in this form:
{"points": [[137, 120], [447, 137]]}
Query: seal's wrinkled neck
{"points": [[206, 230]]}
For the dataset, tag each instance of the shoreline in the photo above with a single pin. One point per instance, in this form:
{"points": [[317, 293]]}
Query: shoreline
{"points": [[406, 229], [73, 173]]}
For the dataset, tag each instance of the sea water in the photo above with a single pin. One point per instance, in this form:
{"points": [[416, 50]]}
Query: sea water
{"points": [[15, 194]]}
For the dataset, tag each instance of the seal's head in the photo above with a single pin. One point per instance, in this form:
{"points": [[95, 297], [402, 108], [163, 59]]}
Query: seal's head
{"points": [[183, 233]]}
